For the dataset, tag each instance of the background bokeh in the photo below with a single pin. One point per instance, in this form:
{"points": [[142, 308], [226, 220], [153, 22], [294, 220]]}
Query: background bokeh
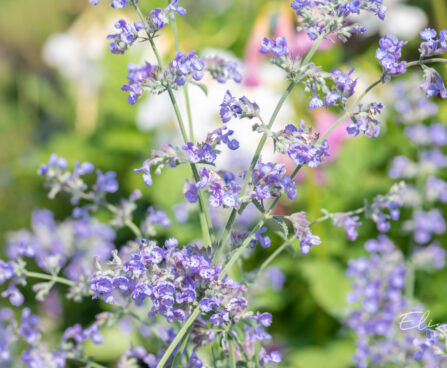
{"points": [[60, 92]]}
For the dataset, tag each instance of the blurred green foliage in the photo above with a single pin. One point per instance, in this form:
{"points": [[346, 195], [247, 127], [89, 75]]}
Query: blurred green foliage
{"points": [[39, 115]]}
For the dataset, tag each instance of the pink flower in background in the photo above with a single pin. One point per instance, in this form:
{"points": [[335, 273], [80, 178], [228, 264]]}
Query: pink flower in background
{"points": [[284, 25], [323, 121]]}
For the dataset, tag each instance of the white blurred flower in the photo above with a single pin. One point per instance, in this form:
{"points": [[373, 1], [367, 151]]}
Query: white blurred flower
{"points": [[403, 21], [155, 111]]}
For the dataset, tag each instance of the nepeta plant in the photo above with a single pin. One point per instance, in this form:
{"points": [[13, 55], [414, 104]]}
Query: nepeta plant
{"points": [[182, 293]]}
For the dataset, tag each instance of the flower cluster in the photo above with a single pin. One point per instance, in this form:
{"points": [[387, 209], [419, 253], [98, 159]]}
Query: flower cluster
{"points": [[277, 46], [301, 144], [118, 4], [268, 179], [152, 79], [223, 188], [303, 232], [378, 283], [60, 180], [233, 108], [125, 38], [431, 45], [365, 120], [320, 18], [176, 280], [390, 202], [159, 18], [389, 53], [223, 70]]}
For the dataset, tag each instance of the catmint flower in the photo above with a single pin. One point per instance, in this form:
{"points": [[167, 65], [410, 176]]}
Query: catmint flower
{"points": [[431, 45], [436, 189], [106, 182], [307, 241], [433, 84], [350, 223], [321, 18], [223, 70], [364, 121], [161, 17], [263, 240], [389, 54], [268, 179], [29, 327], [391, 203], [432, 256], [16, 298], [277, 46], [273, 357], [6, 271], [184, 65], [122, 40], [303, 232], [233, 108], [426, 224], [137, 78]]}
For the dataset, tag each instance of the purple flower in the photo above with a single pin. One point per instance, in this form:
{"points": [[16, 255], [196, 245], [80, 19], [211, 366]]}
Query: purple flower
{"points": [[310, 154], [29, 327], [307, 241], [389, 54], [273, 357], [277, 46], [428, 223], [263, 240], [106, 182], [184, 65], [157, 217], [350, 223], [146, 170], [122, 40], [102, 286], [223, 70], [15, 296], [119, 4], [264, 319], [229, 108], [6, 271], [433, 84]]}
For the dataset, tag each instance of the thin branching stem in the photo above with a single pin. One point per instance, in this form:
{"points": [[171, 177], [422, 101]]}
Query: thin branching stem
{"points": [[205, 219]]}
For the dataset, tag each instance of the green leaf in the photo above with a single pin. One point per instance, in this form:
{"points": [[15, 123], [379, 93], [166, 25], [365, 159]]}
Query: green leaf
{"points": [[201, 86], [258, 205], [283, 226], [328, 284]]}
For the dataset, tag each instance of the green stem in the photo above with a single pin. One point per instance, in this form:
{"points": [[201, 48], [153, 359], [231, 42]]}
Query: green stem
{"points": [[185, 87], [178, 338], [181, 349], [261, 143], [284, 245], [232, 358], [205, 219], [312, 51], [44, 276], [425, 61], [134, 228], [254, 161], [276, 253], [243, 246]]}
